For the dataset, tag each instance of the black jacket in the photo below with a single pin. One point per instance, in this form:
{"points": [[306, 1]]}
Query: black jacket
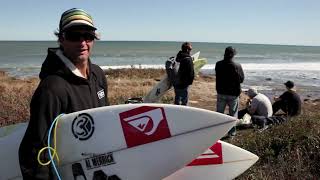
{"points": [[186, 70], [59, 91], [229, 76], [291, 102]]}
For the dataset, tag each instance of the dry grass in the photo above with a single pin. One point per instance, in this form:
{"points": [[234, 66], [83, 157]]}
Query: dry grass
{"points": [[287, 151], [127, 83], [15, 96]]}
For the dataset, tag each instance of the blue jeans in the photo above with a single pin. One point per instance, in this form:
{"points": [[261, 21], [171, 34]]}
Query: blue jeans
{"points": [[181, 96], [233, 103]]}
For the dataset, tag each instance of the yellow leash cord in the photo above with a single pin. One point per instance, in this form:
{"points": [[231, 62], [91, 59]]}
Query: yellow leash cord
{"points": [[53, 149]]}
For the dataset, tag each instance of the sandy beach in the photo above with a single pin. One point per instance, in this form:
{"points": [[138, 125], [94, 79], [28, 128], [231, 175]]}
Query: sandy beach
{"points": [[15, 96]]}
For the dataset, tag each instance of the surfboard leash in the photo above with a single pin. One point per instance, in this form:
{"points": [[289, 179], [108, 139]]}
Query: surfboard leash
{"points": [[53, 149]]}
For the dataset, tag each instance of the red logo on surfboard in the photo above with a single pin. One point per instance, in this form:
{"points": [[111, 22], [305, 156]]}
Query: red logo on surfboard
{"points": [[144, 125], [213, 155]]}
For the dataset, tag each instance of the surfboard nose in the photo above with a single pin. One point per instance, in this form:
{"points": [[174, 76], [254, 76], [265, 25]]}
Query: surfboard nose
{"points": [[221, 161], [190, 118]]}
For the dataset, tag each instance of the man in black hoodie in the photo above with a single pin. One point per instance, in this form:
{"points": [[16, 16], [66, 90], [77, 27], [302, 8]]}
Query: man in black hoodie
{"points": [[289, 102], [69, 83], [229, 76], [185, 74]]}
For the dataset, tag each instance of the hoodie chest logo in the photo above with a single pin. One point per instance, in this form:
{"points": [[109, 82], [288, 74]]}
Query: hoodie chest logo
{"points": [[100, 94]]}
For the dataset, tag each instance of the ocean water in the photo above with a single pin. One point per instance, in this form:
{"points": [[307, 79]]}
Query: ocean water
{"points": [[266, 67]]}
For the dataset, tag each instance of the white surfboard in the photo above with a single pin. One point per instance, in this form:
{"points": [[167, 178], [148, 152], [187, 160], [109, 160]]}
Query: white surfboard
{"points": [[9, 143], [221, 161], [163, 86], [4, 131], [128, 141]]}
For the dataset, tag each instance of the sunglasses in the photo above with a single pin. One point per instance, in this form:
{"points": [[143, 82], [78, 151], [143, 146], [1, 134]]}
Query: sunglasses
{"points": [[78, 36]]}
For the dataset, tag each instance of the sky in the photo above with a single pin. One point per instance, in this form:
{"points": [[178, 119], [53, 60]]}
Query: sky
{"points": [[287, 22]]}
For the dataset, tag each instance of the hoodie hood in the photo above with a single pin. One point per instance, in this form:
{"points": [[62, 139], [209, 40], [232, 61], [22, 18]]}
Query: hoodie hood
{"points": [[52, 65], [182, 55]]}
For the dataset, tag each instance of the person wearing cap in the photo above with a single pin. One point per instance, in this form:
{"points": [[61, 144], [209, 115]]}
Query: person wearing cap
{"points": [[185, 75], [258, 104], [229, 76], [289, 102], [69, 82]]}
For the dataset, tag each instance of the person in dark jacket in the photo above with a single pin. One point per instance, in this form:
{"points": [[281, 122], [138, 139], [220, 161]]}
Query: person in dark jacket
{"points": [[185, 74], [229, 76], [289, 102], [69, 83]]}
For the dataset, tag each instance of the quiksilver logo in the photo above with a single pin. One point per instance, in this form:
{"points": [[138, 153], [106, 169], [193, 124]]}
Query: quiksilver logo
{"points": [[208, 154], [144, 124], [212, 156], [141, 121]]}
